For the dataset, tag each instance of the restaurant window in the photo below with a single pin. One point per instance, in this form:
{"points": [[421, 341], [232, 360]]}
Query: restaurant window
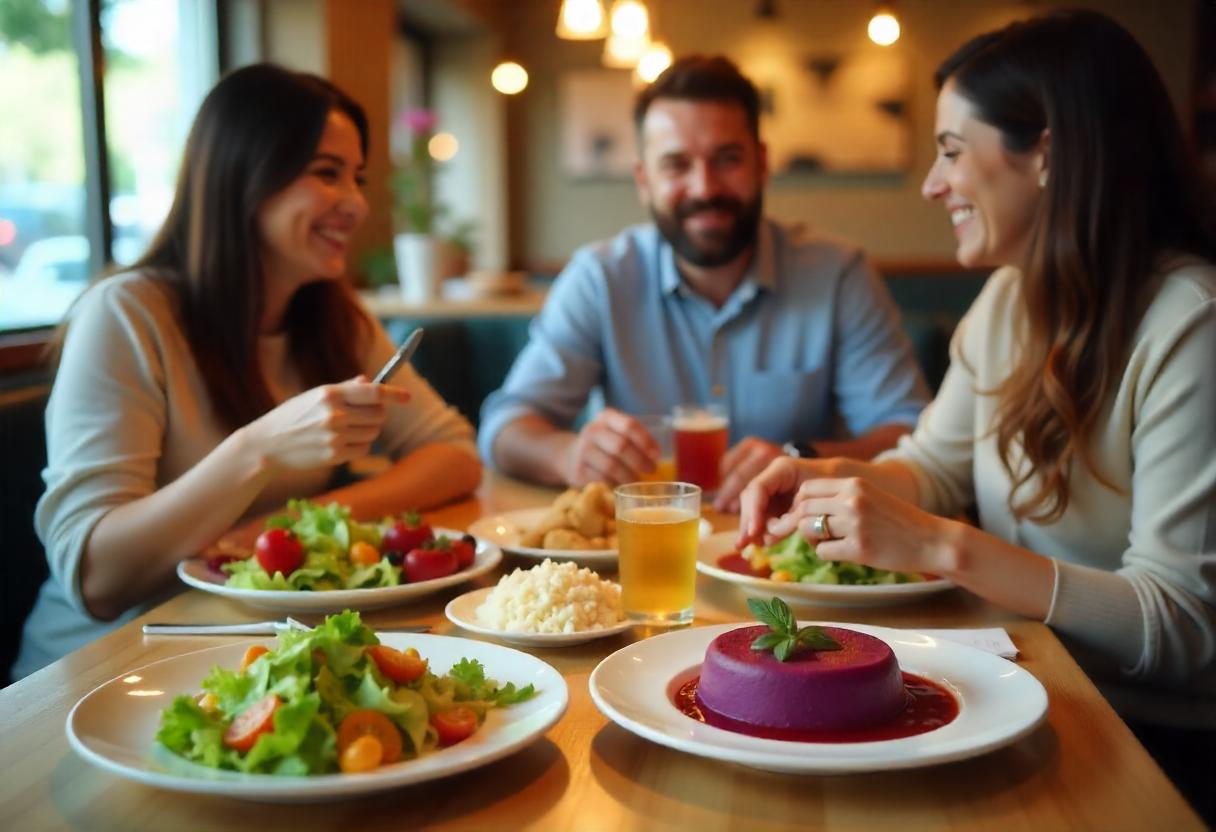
{"points": [[159, 59]]}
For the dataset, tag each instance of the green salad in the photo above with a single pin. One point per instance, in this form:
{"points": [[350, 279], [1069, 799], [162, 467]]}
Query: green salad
{"points": [[329, 699], [794, 560], [315, 548]]}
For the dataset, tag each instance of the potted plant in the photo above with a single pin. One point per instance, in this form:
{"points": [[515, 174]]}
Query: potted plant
{"points": [[416, 211]]}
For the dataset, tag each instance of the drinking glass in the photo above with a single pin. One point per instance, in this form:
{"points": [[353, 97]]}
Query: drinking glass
{"points": [[659, 426], [701, 432], [656, 529]]}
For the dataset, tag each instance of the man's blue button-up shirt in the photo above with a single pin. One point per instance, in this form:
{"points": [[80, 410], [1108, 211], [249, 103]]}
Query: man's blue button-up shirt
{"points": [[807, 346]]}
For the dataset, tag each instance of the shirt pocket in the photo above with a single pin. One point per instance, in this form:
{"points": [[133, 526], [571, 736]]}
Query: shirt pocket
{"points": [[783, 405]]}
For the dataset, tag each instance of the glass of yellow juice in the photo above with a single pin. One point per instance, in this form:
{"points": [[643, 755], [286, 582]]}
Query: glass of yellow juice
{"points": [[659, 427], [657, 526]]}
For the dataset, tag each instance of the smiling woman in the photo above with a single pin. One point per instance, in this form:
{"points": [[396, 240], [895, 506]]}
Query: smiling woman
{"points": [[228, 369]]}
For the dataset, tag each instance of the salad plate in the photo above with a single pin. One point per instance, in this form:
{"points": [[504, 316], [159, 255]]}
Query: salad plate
{"points": [[196, 573], [114, 727], [462, 611], [716, 546], [998, 701]]}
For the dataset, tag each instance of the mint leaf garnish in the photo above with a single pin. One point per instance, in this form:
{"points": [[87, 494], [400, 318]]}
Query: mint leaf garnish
{"points": [[784, 637]]}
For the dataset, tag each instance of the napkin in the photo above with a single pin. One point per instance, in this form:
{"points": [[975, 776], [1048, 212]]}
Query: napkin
{"points": [[990, 639]]}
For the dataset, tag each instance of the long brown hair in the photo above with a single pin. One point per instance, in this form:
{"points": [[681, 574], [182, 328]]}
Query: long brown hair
{"points": [[255, 132], [1120, 193]]}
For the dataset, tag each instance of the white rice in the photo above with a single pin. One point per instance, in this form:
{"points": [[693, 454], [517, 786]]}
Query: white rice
{"points": [[552, 598]]}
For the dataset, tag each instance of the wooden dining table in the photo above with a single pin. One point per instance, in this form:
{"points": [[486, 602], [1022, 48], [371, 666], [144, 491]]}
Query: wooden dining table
{"points": [[1081, 769]]}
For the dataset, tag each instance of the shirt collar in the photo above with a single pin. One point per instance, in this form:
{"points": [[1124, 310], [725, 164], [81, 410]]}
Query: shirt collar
{"points": [[761, 274]]}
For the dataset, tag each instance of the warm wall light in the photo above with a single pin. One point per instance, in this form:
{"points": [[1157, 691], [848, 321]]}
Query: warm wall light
{"points": [[509, 78], [582, 20], [652, 63], [884, 27], [442, 146], [630, 20]]}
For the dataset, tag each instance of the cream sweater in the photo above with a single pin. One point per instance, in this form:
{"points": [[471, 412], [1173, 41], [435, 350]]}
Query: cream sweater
{"points": [[1135, 594], [129, 413]]}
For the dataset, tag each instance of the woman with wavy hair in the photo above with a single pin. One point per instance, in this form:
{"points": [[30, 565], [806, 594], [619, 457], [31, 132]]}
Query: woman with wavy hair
{"points": [[1079, 412], [227, 370]]}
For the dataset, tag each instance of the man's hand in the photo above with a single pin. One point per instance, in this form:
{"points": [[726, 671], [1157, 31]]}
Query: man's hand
{"points": [[740, 465], [613, 447]]}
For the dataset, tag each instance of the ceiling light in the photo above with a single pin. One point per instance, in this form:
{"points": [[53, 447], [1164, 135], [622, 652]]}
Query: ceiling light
{"points": [[630, 19], [884, 27], [652, 63], [582, 20]]}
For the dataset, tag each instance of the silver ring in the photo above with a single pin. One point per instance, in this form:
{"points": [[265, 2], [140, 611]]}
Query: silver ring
{"points": [[821, 528]]}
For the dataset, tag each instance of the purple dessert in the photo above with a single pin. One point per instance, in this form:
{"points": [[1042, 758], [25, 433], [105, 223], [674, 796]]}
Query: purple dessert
{"points": [[854, 687]]}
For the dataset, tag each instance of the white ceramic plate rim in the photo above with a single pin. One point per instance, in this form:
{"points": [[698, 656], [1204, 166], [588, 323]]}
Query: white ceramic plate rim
{"points": [[486, 528], [722, 543], [462, 611], [999, 703], [138, 757], [194, 572]]}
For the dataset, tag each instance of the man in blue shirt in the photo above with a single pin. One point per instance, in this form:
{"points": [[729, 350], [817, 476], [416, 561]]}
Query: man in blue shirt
{"points": [[794, 334]]}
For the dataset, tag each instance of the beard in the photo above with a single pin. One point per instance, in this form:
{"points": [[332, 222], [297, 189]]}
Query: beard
{"points": [[712, 249]]}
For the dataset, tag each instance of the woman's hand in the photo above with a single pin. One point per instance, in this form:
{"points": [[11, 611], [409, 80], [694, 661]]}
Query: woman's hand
{"points": [[771, 494], [868, 525], [324, 426]]}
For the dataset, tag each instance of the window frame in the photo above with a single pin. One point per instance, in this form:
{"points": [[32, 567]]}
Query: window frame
{"points": [[23, 350]]}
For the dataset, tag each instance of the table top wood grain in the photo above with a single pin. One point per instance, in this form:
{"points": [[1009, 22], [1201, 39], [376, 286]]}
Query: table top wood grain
{"points": [[1082, 769]]}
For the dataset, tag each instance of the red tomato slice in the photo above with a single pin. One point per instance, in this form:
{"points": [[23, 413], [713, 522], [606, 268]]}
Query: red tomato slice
{"points": [[402, 668], [254, 721], [454, 724]]}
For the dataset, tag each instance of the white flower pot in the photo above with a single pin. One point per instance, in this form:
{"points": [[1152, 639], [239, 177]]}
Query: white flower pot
{"points": [[418, 265]]}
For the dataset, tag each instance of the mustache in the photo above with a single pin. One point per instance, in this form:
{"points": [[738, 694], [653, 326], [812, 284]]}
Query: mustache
{"points": [[718, 203]]}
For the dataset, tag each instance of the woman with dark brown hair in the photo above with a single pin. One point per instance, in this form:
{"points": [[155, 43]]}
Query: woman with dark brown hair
{"points": [[227, 370], [1079, 411]]}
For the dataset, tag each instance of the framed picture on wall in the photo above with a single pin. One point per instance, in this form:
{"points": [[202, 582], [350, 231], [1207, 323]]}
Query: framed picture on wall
{"points": [[596, 107]]}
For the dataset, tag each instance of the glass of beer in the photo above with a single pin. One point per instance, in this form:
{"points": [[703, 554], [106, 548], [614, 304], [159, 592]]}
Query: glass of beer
{"points": [[660, 428], [701, 432], [657, 535]]}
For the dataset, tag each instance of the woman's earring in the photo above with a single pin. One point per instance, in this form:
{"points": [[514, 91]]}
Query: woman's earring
{"points": [[1043, 179]]}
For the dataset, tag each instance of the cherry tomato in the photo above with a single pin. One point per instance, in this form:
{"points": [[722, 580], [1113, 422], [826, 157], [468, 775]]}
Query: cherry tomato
{"points": [[428, 564], [254, 652], [454, 724], [278, 550], [402, 668], [363, 754], [406, 534], [216, 562], [364, 554], [365, 722], [250, 724], [465, 550]]}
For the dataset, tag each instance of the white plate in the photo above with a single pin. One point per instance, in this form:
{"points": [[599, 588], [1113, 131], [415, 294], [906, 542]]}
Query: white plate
{"points": [[830, 595], [506, 530], [114, 727], [194, 571], [462, 611], [999, 703]]}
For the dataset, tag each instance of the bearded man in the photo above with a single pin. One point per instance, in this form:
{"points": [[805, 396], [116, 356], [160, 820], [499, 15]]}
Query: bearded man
{"points": [[793, 334]]}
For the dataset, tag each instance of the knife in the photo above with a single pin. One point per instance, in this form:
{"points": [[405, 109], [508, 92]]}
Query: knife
{"points": [[400, 356], [258, 628]]}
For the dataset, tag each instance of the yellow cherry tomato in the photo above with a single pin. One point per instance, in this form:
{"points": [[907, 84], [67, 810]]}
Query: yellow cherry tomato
{"points": [[209, 703], [364, 554], [364, 754], [782, 576]]}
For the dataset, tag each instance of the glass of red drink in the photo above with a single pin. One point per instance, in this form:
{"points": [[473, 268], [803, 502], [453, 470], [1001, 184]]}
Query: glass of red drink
{"points": [[700, 432]]}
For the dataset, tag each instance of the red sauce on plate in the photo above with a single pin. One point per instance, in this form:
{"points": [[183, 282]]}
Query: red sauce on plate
{"points": [[735, 562], [930, 706]]}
